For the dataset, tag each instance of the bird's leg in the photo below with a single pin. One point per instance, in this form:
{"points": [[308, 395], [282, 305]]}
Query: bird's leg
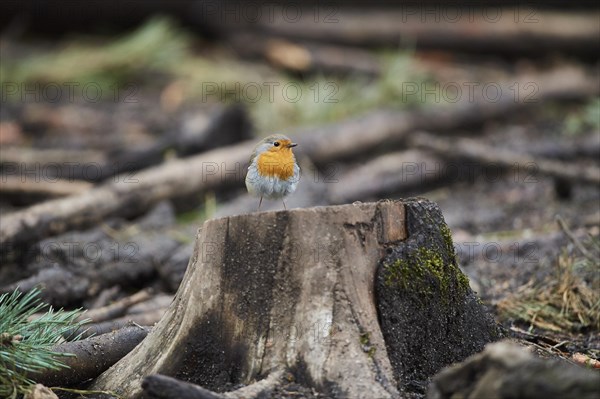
{"points": [[259, 202], [284, 207]]}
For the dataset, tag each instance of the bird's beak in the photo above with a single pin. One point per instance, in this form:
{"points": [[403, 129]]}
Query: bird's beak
{"points": [[292, 145]]}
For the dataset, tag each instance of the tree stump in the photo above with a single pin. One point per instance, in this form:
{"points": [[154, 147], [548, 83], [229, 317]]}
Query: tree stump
{"points": [[358, 300]]}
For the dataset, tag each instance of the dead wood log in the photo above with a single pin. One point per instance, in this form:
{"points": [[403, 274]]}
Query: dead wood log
{"points": [[228, 126], [362, 23], [221, 168], [163, 387], [68, 276], [258, 389], [306, 290], [513, 31], [128, 196], [390, 173], [160, 301], [78, 265], [91, 356], [105, 296], [34, 159], [50, 166], [118, 308], [506, 159], [586, 146], [60, 287], [140, 319], [505, 370], [21, 191], [391, 128], [123, 274], [306, 57]]}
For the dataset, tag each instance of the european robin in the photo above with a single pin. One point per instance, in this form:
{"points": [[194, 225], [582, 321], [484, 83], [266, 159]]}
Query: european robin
{"points": [[273, 171]]}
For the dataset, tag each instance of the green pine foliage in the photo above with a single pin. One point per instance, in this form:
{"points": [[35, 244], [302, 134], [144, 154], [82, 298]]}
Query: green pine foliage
{"points": [[26, 341]]}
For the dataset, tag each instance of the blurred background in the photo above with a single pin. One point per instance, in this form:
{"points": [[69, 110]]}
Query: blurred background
{"points": [[492, 111]]}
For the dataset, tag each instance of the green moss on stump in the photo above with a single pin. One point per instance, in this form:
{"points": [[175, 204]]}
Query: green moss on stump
{"points": [[425, 272], [448, 243], [431, 268]]}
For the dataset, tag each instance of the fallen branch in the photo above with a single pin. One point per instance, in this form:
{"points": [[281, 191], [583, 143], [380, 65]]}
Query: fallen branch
{"points": [[389, 129], [92, 356], [117, 308], [60, 286], [63, 286], [125, 197], [13, 158], [259, 389], [506, 159], [164, 387], [499, 30], [223, 127], [515, 373], [141, 319], [387, 174], [576, 241], [306, 57], [105, 297], [568, 148], [160, 301], [121, 273], [25, 191], [127, 257]]}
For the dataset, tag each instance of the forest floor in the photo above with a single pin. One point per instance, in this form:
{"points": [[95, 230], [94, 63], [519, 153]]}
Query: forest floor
{"points": [[529, 241]]}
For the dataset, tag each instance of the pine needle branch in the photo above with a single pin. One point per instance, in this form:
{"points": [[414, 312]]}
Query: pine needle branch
{"points": [[26, 341]]}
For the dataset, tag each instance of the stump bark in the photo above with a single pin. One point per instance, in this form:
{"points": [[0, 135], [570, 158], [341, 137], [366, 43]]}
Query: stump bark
{"points": [[349, 299]]}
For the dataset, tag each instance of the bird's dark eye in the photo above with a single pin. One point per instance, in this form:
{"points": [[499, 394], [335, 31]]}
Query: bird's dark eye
{"points": [[276, 144]]}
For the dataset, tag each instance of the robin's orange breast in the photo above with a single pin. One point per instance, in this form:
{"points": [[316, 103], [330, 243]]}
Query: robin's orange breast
{"points": [[276, 164]]}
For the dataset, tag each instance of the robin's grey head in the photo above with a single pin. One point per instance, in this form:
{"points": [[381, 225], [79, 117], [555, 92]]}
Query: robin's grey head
{"points": [[274, 142]]}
